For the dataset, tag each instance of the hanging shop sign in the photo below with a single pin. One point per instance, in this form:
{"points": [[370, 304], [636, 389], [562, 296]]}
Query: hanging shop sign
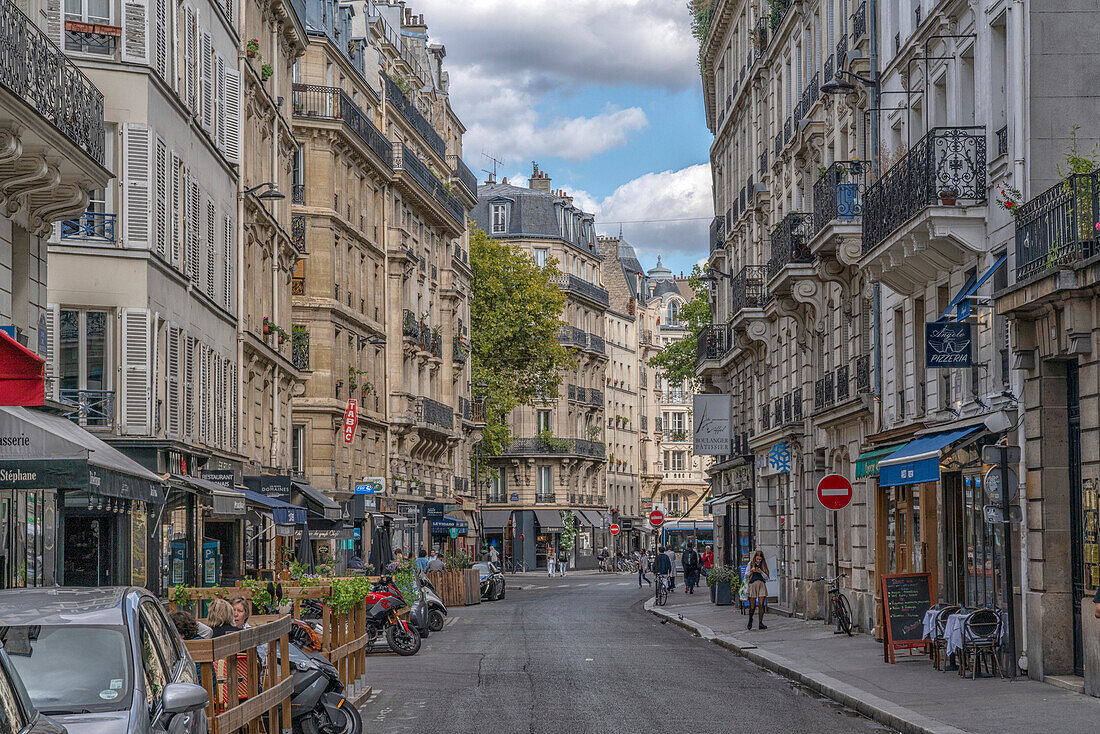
{"points": [[948, 344], [711, 425], [779, 457], [351, 419]]}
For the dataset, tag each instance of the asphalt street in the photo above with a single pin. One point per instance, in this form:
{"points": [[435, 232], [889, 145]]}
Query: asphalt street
{"points": [[580, 654]]}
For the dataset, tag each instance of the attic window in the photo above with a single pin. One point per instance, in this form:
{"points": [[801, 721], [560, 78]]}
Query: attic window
{"points": [[500, 218]]}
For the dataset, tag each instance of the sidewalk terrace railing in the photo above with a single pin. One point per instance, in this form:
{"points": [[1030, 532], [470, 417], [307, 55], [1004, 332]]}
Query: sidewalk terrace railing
{"points": [[299, 347], [408, 110], [717, 233], [790, 242], [713, 342], [571, 336], [569, 446], [570, 282], [1059, 227], [405, 160], [36, 71], [838, 194], [332, 103], [947, 164], [749, 288], [90, 407], [435, 413], [91, 226], [298, 232], [463, 173]]}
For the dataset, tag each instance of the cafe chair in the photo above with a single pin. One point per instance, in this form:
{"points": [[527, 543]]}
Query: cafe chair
{"points": [[981, 642], [939, 641]]}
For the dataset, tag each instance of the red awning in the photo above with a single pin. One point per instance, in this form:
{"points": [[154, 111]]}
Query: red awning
{"points": [[22, 374]]}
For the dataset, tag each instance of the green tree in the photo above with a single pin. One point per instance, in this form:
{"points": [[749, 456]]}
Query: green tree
{"points": [[702, 11], [677, 361], [515, 316]]}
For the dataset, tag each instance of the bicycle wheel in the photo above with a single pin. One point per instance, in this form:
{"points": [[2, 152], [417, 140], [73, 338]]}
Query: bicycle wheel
{"points": [[662, 593], [844, 614]]}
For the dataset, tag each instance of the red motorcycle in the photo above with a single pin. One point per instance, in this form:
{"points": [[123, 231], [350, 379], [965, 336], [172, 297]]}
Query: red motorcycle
{"points": [[383, 603]]}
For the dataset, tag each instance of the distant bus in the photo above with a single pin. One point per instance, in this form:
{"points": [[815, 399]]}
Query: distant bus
{"points": [[677, 533]]}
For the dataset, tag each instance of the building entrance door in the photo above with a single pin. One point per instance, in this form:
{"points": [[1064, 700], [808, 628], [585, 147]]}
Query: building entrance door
{"points": [[1084, 542]]}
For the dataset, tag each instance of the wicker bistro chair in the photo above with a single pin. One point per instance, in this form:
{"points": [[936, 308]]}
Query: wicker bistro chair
{"points": [[939, 642], [982, 632]]}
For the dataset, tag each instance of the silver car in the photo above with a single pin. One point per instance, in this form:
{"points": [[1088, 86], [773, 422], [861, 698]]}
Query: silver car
{"points": [[17, 712], [102, 660]]}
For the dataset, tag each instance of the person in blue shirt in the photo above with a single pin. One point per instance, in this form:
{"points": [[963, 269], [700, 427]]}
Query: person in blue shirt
{"points": [[422, 560]]}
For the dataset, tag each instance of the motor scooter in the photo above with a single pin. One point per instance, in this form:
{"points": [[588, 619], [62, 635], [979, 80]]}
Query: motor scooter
{"points": [[437, 610]]}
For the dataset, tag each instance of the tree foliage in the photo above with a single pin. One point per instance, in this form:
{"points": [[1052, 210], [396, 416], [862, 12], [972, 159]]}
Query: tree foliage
{"points": [[515, 315], [677, 360], [702, 11]]}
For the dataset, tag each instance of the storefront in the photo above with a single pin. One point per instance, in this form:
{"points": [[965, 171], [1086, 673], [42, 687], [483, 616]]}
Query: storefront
{"points": [[449, 533], [734, 528], [549, 527], [74, 511], [495, 529]]}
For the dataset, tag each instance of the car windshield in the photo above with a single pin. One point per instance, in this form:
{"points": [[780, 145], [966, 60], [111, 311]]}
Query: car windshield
{"points": [[71, 669]]}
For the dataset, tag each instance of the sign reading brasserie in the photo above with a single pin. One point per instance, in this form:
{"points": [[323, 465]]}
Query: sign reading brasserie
{"points": [[711, 425], [947, 344]]}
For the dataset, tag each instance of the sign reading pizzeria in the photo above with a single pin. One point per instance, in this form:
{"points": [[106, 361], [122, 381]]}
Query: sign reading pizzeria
{"points": [[947, 344]]}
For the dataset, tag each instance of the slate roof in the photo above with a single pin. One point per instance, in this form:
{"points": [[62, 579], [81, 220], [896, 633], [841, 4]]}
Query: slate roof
{"points": [[534, 214]]}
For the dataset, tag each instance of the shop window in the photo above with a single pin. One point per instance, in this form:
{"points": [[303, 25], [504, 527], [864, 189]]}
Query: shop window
{"points": [[984, 555]]}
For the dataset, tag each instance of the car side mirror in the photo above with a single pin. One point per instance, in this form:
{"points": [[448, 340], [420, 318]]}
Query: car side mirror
{"points": [[180, 698]]}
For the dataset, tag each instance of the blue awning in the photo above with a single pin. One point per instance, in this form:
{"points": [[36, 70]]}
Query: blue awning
{"points": [[919, 460], [448, 522], [970, 288]]}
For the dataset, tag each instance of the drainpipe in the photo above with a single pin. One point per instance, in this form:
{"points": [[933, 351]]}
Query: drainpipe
{"points": [[240, 254], [276, 416]]}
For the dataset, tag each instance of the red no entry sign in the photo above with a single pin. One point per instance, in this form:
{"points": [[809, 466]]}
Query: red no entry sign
{"points": [[834, 492], [614, 529], [656, 518]]}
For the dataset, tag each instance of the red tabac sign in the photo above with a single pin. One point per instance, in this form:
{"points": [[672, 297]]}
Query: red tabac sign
{"points": [[351, 419]]}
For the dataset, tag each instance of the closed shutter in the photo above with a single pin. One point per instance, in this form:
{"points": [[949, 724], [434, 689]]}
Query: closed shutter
{"points": [[232, 115], [54, 22], [204, 393], [52, 317], [193, 262], [161, 199], [135, 31], [224, 413], [219, 99], [189, 80], [211, 248], [162, 20], [206, 60], [176, 223], [188, 387], [172, 381], [234, 435], [137, 143], [228, 262], [136, 372]]}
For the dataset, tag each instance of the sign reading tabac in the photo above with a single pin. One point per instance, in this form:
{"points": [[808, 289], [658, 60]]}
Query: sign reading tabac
{"points": [[947, 344], [711, 425]]}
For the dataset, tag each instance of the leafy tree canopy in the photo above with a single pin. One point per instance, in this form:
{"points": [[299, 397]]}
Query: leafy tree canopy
{"points": [[677, 361], [515, 315]]}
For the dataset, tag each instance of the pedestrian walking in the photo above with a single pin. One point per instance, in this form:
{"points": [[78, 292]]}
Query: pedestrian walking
{"points": [[689, 559], [422, 560], [643, 566], [551, 561], [708, 560], [494, 557], [758, 589], [671, 555], [563, 561]]}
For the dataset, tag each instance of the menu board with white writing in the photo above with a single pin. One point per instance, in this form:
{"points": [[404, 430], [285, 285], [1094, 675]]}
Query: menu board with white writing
{"points": [[905, 597]]}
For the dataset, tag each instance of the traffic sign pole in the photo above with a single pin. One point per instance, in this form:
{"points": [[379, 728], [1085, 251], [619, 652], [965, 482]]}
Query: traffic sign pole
{"points": [[1011, 602]]}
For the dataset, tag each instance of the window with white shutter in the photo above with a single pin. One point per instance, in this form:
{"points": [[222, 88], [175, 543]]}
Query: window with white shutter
{"points": [[176, 224], [232, 117], [136, 412], [135, 31], [188, 387], [204, 393], [206, 60], [219, 99], [189, 80], [161, 198], [228, 260], [193, 262], [52, 316], [172, 381], [137, 143], [234, 435], [162, 18], [211, 247]]}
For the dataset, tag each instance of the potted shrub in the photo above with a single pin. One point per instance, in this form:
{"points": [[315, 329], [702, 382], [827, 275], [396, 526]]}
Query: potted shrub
{"points": [[949, 195], [266, 72], [267, 326], [252, 48], [724, 581]]}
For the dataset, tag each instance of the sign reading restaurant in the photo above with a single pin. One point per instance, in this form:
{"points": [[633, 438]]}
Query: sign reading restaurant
{"points": [[711, 425], [947, 344]]}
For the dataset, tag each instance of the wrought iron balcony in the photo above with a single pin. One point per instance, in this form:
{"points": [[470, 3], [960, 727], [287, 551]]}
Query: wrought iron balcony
{"points": [[1059, 226], [404, 160], [410, 325], [93, 408], [459, 353], [790, 242], [787, 130], [298, 286], [838, 194], [298, 232], [299, 347], [863, 373], [435, 347], [332, 103], [570, 282], [717, 233], [713, 342], [766, 417], [463, 173], [403, 105], [545, 498], [92, 227], [763, 162], [298, 194], [859, 22], [749, 288], [1002, 141], [841, 50], [777, 10], [778, 144], [596, 344], [810, 95], [36, 71], [829, 73], [595, 397], [843, 383], [946, 166], [434, 413], [555, 446], [571, 336]]}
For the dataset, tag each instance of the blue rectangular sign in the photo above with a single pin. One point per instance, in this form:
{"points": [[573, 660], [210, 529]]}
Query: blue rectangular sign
{"points": [[289, 515], [368, 488]]}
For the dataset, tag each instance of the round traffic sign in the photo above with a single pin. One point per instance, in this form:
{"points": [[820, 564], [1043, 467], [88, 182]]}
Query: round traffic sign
{"points": [[834, 492], [656, 518], [993, 484], [614, 529]]}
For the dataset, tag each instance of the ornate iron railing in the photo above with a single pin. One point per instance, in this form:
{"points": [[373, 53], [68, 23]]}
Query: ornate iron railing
{"points": [[1002, 141], [408, 110], [778, 144], [570, 282], [571, 336], [1059, 226], [459, 354], [92, 226], [863, 373], [298, 286], [787, 130], [403, 159], [810, 95], [596, 344], [713, 342], [463, 173], [410, 325], [946, 166], [829, 73], [434, 413], [766, 417], [777, 10], [717, 233], [842, 383], [841, 50], [298, 232], [763, 162], [570, 446], [299, 347], [435, 347], [859, 22], [838, 194], [477, 410], [332, 103], [749, 288], [298, 194], [35, 70], [92, 38], [790, 242], [90, 407]]}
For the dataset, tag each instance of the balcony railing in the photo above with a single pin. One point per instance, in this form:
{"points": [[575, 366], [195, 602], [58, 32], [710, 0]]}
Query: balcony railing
{"points": [[403, 159], [332, 103], [717, 233], [298, 285], [749, 288], [713, 342], [299, 347], [571, 336], [777, 9], [567, 446], [790, 242], [838, 194], [843, 385], [298, 194], [36, 71], [778, 144], [459, 353], [463, 173], [1002, 141], [1059, 227], [946, 166], [863, 373], [841, 50], [408, 110], [298, 232], [829, 69], [89, 407], [859, 22], [810, 95], [92, 226], [570, 282], [434, 413], [595, 397], [596, 344]]}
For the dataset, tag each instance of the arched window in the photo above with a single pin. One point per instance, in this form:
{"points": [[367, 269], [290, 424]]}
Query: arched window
{"points": [[673, 313]]}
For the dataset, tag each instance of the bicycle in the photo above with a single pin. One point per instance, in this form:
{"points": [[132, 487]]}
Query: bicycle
{"points": [[661, 590], [512, 567], [838, 604]]}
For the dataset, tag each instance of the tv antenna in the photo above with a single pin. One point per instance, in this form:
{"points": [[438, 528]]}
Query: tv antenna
{"points": [[496, 162]]}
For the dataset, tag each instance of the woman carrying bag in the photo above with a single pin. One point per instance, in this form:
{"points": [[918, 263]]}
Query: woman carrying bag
{"points": [[758, 589]]}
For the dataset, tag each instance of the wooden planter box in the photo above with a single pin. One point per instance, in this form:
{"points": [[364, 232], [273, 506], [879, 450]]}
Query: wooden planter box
{"points": [[458, 588]]}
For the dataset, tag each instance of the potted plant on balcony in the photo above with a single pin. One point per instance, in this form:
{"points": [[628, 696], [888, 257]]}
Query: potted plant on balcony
{"points": [[252, 48], [266, 72], [949, 195], [268, 324]]}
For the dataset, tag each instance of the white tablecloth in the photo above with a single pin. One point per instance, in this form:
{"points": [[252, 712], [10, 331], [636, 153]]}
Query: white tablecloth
{"points": [[930, 623], [953, 631]]}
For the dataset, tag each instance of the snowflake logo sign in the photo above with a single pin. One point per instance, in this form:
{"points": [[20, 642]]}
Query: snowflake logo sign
{"points": [[779, 457]]}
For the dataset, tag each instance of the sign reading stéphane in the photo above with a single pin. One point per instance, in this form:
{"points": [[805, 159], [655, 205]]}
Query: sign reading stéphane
{"points": [[947, 344]]}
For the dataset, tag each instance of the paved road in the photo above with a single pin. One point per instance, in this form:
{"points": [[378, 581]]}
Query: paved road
{"points": [[580, 655]]}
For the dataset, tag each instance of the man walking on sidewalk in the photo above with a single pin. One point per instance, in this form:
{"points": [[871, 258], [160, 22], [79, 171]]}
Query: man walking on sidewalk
{"points": [[671, 555], [689, 559]]}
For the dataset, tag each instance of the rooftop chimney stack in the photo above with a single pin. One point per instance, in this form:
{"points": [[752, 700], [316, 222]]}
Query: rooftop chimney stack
{"points": [[539, 180]]}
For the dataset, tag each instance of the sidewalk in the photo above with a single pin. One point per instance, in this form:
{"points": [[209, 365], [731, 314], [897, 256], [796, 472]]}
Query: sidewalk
{"points": [[909, 696]]}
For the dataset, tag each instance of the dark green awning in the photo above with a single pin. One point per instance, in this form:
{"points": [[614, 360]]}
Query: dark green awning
{"points": [[867, 462]]}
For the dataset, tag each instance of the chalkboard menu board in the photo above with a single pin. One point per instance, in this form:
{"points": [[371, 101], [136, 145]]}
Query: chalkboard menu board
{"points": [[905, 599]]}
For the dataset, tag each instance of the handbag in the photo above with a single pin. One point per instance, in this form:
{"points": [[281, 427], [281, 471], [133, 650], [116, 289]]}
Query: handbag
{"points": [[744, 592]]}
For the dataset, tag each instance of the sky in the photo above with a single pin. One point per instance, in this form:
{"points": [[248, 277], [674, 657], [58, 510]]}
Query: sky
{"points": [[603, 94]]}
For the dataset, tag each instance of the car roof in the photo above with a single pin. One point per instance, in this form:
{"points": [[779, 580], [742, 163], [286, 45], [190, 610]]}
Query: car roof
{"points": [[59, 605]]}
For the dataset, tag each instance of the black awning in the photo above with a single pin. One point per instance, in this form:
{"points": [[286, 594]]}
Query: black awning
{"points": [[494, 519], [549, 521], [226, 501], [318, 502]]}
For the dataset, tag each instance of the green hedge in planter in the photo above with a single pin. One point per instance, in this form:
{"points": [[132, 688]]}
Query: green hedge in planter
{"points": [[724, 582]]}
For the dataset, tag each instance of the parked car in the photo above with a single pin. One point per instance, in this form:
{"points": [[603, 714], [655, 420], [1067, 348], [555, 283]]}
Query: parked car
{"points": [[103, 660], [18, 714], [492, 581]]}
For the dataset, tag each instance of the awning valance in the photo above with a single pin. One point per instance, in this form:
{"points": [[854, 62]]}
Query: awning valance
{"points": [[448, 522], [919, 460], [494, 519], [226, 501], [549, 521], [22, 374], [867, 462], [318, 501]]}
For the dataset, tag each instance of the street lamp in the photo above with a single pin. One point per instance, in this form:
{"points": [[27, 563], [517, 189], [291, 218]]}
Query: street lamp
{"points": [[839, 86], [708, 277], [272, 193]]}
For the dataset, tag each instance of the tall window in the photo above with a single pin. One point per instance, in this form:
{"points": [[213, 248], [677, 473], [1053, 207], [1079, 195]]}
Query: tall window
{"points": [[544, 485], [82, 350], [541, 253], [297, 449], [496, 487], [89, 11], [678, 421], [677, 461], [542, 420], [500, 218], [673, 312], [674, 501]]}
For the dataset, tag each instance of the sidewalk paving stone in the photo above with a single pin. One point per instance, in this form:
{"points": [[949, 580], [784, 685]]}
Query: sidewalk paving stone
{"points": [[910, 695]]}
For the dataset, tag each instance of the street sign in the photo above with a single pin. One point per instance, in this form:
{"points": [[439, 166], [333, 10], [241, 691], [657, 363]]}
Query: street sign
{"points": [[371, 485], [993, 482], [995, 514], [351, 419], [647, 504], [453, 532], [614, 529], [656, 518], [992, 454], [514, 497], [834, 492], [627, 523]]}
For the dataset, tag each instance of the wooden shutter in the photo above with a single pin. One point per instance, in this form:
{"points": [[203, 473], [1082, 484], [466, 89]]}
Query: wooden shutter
{"points": [[161, 198], [137, 143], [233, 115], [189, 80], [228, 262], [211, 247], [136, 390], [176, 223], [193, 235], [204, 393], [135, 31], [188, 387], [162, 18], [219, 99], [206, 61], [52, 318], [172, 381], [234, 435]]}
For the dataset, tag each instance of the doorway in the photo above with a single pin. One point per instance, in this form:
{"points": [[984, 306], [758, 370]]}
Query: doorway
{"points": [[88, 557], [1078, 556], [953, 534]]}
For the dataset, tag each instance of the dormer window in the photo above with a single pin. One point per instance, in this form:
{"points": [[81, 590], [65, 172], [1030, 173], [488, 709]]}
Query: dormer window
{"points": [[673, 313], [500, 218]]}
